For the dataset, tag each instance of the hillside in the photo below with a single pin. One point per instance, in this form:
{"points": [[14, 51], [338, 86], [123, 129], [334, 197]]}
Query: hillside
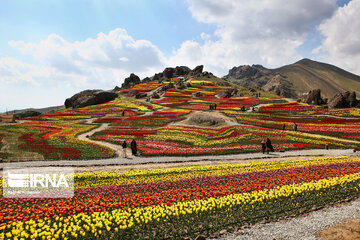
{"points": [[296, 79]]}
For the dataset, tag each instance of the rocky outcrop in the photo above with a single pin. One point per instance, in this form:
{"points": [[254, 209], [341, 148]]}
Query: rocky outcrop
{"points": [[344, 100], [26, 114], [136, 94], [116, 89], [181, 71], [245, 71], [280, 86], [197, 71], [130, 81], [234, 92], [155, 95], [198, 94], [90, 97], [146, 80], [314, 97]]}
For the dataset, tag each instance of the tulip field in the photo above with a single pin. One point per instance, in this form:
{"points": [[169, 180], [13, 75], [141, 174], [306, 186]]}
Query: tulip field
{"points": [[153, 125], [175, 203]]}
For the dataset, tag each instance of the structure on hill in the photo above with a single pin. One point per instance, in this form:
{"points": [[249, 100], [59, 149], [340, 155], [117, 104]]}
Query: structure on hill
{"points": [[7, 118]]}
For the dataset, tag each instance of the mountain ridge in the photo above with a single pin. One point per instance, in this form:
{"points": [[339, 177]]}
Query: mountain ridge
{"points": [[296, 79]]}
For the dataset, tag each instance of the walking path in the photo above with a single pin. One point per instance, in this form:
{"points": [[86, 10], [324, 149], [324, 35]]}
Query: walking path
{"points": [[86, 137], [143, 160], [303, 227]]}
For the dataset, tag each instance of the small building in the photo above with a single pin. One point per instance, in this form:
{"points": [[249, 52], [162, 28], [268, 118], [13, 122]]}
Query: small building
{"points": [[7, 118]]}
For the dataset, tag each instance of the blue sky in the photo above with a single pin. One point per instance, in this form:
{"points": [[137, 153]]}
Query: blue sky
{"points": [[53, 49]]}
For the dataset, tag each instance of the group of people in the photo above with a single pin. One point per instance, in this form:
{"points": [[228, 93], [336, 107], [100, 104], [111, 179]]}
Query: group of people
{"points": [[133, 146], [266, 146], [295, 127], [212, 106]]}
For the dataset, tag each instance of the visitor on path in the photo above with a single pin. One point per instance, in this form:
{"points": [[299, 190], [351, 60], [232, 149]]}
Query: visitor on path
{"points": [[215, 106], [263, 145], [283, 127], [124, 145], [295, 127], [269, 146], [123, 113], [133, 147]]}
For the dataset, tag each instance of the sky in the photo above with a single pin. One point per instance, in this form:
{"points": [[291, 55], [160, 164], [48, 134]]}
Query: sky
{"points": [[50, 50]]}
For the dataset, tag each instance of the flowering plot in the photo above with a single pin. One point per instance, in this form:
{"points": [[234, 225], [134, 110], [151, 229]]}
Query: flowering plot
{"points": [[57, 140], [157, 118], [159, 203], [142, 87], [202, 103], [348, 128], [286, 107], [182, 140]]}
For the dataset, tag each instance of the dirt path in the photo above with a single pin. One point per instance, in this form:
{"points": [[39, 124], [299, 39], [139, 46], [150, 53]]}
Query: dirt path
{"points": [[86, 137], [347, 230]]}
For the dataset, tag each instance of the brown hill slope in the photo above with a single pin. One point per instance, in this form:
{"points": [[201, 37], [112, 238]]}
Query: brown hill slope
{"points": [[295, 79]]}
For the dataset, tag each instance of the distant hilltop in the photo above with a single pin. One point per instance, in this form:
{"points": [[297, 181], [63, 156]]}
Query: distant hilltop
{"points": [[296, 79]]}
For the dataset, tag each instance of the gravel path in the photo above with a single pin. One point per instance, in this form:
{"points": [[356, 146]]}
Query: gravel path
{"points": [[142, 160], [304, 227], [85, 137]]}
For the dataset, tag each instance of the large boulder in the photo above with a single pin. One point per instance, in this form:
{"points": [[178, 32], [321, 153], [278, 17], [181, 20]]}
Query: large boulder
{"points": [[198, 94], [344, 100], [136, 94], [181, 71], [90, 97], [314, 97], [338, 101], [168, 72], [130, 81], [197, 71], [233, 92], [26, 114], [351, 98]]}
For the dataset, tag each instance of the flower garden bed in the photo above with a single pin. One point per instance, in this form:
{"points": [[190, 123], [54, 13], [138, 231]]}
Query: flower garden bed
{"points": [[160, 203]]}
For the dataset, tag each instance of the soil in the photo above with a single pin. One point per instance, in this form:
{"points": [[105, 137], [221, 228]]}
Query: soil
{"points": [[187, 122], [347, 230]]}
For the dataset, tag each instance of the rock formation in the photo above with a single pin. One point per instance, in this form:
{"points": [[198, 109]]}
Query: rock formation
{"points": [[26, 114], [90, 97], [314, 97], [130, 81], [344, 100], [136, 94]]}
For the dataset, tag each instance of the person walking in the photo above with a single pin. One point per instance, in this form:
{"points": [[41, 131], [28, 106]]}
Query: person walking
{"points": [[123, 113], [133, 147], [283, 126], [263, 146], [124, 145], [295, 127], [269, 146]]}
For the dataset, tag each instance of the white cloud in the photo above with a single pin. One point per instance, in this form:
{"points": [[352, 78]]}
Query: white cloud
{"points": [[341, 45], [265, 32], [108, 58]]}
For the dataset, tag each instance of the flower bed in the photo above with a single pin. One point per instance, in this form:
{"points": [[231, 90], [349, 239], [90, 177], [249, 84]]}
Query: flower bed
{"points": [[57, 140], [160, 203]]}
